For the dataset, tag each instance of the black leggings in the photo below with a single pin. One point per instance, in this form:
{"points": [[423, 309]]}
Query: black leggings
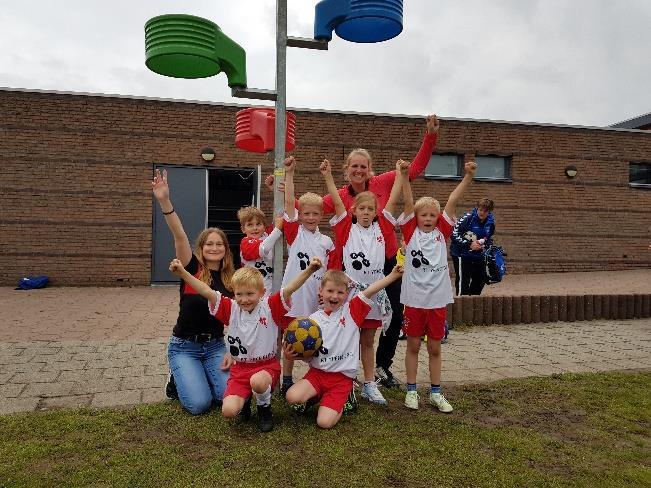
{"points": [[470, 275], [386, 348]]}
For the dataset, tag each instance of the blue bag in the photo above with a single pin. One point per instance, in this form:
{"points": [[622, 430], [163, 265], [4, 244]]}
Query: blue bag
{"points": [[32, 282], [495, 264]]}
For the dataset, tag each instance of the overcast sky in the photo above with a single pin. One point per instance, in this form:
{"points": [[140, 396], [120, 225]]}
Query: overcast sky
{"points": [[579, 62]]}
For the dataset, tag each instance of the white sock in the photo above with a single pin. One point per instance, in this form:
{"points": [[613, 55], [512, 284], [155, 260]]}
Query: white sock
{"points": [[263, 399]]}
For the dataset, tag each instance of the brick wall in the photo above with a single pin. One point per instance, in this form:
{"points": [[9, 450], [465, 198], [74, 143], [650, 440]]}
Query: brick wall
{"points": [[76, 203]]}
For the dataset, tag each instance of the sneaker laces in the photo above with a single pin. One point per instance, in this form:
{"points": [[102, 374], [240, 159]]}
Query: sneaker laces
{"points": [[372, 390]]}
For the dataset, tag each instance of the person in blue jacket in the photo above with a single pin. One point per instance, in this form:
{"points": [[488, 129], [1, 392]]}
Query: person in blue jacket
{"points": [[472, 233]]}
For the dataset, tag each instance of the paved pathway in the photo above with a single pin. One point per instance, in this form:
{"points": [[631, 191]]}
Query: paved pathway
{"points": [[45, 374]]}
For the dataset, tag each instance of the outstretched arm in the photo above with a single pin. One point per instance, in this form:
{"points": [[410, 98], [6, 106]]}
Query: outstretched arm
{"points": [[326, 171], [301, 278], [407, 196], [373, 288], [161, 191], [421, 160], [402, 173], [455, 196], [202, 288], [290, 166]]}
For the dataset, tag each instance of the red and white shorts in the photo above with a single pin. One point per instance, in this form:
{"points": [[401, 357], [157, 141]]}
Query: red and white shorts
{"points": [[331, 388], [418, 322], [239, 380]]}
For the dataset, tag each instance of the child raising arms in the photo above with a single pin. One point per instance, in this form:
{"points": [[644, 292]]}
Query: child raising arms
{"points": [[426, 287], [252, 335]]}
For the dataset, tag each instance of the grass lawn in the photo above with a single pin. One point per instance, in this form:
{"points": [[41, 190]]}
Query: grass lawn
{"points": [[589, 430]]}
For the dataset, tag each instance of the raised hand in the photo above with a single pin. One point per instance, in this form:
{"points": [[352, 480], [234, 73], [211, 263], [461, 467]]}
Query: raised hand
{"points": [[279, 221], [290, 164], [402, 166], [470, 167], [159, 186], [269, 183], [433, 124], [325, 167], [315, 264], [176, 267]]}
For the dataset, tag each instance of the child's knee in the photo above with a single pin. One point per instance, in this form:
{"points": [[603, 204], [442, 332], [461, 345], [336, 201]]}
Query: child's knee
{"points": [[230, 410], [293, 396], [327, 422]]}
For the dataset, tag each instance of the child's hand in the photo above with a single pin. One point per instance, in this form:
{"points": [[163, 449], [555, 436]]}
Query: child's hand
{"points": [[227, 362], [397, 270], [176, 267], [279, 222], [315, 264], [289, 352], [470, 168], [290, 164], [433, 124], [402, 166], [159, 185], [325, 168]]}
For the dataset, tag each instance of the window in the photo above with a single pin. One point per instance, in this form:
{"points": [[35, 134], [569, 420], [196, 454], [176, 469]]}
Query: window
{"points": [[639, 174], [493, 167], [451, 166], [444, 166]]}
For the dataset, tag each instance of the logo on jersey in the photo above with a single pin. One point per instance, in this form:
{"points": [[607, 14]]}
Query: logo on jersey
{"points": [[342, 322], [418, 259], [304, 260], [359, 260], [263, 321], [263, 268], [236, 350]]}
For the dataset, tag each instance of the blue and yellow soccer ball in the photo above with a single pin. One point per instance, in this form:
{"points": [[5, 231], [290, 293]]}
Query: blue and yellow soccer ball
{"points": [[304, 335]]}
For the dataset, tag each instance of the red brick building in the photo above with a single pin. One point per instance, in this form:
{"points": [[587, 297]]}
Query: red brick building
{"points": [[76, 202]]}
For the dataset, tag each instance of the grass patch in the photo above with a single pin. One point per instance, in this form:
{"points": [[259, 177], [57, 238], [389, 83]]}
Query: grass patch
{"points": [[572, 430]]}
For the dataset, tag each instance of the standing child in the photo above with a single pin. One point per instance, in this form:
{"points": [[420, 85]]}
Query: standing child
{"points": [[304, 242], [257, 247], [331, 373], [426, 287], [360, 252], [252, 335]]}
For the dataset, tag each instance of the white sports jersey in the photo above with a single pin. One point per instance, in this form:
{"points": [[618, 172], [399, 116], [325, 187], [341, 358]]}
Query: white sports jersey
{"points": [[340, 330], [302, 246], [259, 254], [252, 336], [426, 282], [362, 251]]}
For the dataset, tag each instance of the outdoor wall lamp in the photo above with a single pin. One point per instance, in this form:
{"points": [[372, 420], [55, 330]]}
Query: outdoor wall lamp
{"points": [[207, 154], [571, 171]]}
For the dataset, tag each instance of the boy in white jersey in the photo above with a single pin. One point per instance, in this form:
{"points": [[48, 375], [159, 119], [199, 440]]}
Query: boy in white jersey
{"points": [[304, 241], [426, 287], [331, 373], [360, 252], [253, 324], [257, 247]]}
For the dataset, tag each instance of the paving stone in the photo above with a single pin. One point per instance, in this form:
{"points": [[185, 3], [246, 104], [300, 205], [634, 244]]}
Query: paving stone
{"points": [[82, 375], [35, 377], [153, 395], [512, 372], [11, 390], [16, 405], [65, 366], [139, 383], [101, 385], [68, 401], [116, 398], [48, 389], [23, 367]]}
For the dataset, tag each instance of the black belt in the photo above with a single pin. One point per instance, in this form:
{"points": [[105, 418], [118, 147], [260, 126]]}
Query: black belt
{"points": [[201, 338]]}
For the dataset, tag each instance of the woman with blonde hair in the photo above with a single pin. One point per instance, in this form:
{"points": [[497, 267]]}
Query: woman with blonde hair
{"points": [[196, 352]]}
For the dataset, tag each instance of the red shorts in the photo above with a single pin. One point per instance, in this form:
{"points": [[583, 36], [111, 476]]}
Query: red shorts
{"points": [[418, 322], [371, 324], [331, 388], [239, 380]]}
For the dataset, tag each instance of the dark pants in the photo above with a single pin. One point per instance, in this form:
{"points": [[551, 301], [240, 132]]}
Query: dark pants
{"points": [[386, 348], [470, 275]]}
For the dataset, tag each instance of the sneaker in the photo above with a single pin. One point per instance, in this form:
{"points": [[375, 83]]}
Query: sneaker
{"points": [[440, 402], [265, 418], [298, 408], [402, 336], [351, 404], [411, 400], [444, 340], [170, 388], [245, 413], [284, 387], [371, 392], [386, 378]]}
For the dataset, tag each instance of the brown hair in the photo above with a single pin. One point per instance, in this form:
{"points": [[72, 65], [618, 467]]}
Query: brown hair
{"points": [[248, 276], [486, 203], [358, 152], [365, 196], [338, 277], [248, 213], [226, 269]]}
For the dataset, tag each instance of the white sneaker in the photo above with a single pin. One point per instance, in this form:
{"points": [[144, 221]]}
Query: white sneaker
{"points": [[411, 400], [440, 402], [371, 392]]}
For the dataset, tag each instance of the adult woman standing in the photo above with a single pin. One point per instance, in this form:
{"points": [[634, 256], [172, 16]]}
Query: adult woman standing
{"points": [[196, 351], [472, 233]]}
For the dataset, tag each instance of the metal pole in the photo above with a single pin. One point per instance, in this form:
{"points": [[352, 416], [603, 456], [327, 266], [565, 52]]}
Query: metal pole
{"points": [[281, 129]]}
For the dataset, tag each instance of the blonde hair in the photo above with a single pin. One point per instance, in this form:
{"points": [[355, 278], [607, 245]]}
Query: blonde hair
{"points": [[248, 213], [336, 276], [248, 277], [423, 202], [226, 269], [365, 196], [359, 152], [310, 198]]}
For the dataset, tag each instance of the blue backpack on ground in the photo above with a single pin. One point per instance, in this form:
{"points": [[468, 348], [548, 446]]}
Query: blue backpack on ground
{"points": [[32, 282], [495, 264]]}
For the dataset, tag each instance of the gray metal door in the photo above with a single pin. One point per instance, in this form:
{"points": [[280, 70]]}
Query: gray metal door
{"points": [[189, 195]]}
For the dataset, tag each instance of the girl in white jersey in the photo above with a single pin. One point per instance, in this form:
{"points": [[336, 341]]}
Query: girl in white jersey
{"points": [[331, 373], [426, 287], [360, 252]]}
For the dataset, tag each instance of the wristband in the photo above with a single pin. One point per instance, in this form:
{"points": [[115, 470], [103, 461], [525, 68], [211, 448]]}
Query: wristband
{"points": [[170, 212]]}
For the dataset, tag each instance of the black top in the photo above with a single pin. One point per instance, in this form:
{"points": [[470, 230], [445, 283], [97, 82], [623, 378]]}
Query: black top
{"points": [[194, 317]]}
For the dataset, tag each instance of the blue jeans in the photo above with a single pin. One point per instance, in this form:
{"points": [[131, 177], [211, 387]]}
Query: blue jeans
{"points": [[197, 373]]}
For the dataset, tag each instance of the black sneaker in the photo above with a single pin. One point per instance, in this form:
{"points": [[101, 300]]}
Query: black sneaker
{"points": [[170, 389], [265, 418], [351, 404], [245, 413], [386, 378]]}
